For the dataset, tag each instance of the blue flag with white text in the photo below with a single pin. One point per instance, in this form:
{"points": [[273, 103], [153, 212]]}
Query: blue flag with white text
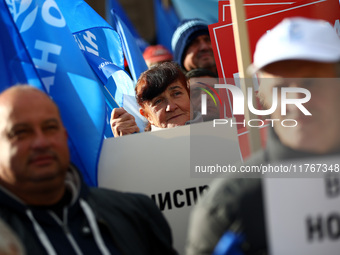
{"points": [[15, 64], [103, 50], [92, 33], [63, 73]]}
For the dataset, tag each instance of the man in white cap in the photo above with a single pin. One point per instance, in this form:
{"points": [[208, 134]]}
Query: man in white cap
{"points": [[294, 49]]}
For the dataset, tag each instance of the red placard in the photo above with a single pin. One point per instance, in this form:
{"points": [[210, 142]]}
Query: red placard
{"points": [[261, 15], [252, 6]]}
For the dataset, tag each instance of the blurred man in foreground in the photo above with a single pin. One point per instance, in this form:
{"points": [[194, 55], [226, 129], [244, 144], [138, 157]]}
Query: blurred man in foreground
{"points": [[44, 200], [296, 48]]}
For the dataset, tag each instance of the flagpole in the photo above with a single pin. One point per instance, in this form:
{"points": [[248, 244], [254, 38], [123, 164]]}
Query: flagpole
{"points": [[243, 61]]}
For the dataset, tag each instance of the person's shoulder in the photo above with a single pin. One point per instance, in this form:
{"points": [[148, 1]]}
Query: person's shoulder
{"points": [[119, 195], [109, 197], [229, 190], [119, 206]]}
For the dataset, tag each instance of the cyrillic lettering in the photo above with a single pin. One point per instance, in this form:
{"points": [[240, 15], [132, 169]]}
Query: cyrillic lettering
{"points": [[56, 21], [89, 37], [46, 48], [187, 194], [314, 228], [175, 197], [201, 189], [333, 226], [153, 197], [332, 186], [165, 201]]}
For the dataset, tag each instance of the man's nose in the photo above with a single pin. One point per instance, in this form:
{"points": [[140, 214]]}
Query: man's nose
{"points": [[205, 45], [40, 140]]}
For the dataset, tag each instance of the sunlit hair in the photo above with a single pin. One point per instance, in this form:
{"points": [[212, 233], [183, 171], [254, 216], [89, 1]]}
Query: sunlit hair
{"points": [[154, 81]]}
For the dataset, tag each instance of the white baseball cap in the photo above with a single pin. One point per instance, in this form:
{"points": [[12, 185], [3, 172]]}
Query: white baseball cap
{"points": [[297, 39]]}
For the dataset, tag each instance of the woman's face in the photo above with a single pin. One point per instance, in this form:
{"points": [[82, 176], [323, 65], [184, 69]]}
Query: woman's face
{"points": [[170, 108]]}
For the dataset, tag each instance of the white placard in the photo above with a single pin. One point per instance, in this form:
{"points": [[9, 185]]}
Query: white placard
{"points": [[158, 163], [303, 214]]}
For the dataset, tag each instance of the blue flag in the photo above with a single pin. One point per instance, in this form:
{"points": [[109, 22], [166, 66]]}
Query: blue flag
{"points": [[131, 50], [103, 50], [64, 74], [116, 81], [92, 33], [15, 64], [119, 89], [166, 23], [114, 4], [97, 38]]}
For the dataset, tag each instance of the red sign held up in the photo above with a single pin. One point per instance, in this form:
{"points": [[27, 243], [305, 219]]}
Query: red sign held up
{"points": [[261, 16]]}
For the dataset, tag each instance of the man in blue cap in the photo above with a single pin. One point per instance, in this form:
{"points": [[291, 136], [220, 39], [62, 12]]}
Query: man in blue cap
{"points": [[191, 46]]}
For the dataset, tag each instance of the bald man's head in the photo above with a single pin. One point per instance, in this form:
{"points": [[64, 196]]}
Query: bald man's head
{"points": [[34, 154]]}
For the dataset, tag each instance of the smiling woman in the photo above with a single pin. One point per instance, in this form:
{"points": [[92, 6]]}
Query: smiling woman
{"points": [[163, 95]]}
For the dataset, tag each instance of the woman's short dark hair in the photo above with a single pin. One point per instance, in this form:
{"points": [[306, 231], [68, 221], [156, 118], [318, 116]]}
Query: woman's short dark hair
{"points": [[154, 81]]}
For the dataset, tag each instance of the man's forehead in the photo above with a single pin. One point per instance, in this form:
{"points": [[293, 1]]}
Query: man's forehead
{"points": [[203, 36], [19, 102]]}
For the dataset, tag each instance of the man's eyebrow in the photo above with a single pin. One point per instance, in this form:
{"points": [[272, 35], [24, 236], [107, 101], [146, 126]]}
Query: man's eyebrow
{"points": [[19, 125], [26, 124], [52, 120]]}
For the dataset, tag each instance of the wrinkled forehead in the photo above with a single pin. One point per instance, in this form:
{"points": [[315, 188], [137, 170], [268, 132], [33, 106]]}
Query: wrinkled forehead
{"points": [[176, 84]]}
